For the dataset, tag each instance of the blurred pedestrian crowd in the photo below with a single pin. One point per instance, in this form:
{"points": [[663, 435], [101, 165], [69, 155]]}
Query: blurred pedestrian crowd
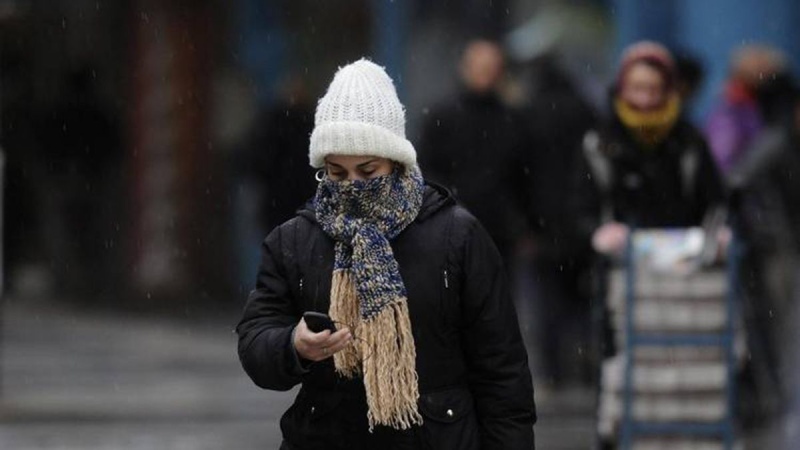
{"points": [[558, 183]]}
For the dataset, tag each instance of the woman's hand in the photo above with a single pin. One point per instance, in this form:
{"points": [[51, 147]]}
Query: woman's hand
{"points": [[724, 238], [319, 346], [610, 238]]}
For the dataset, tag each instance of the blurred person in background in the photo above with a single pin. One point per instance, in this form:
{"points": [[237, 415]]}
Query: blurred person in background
{"points": [[81, 142], [274, 175], [752, 97], [758, 100], [790, 428], [767, 186], [472, 145], [554, 310], [646, 166], [427, 351], [22, 247], [274, 161], [689, 74]]}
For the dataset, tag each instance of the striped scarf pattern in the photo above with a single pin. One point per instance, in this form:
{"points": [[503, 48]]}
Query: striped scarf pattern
{"points": [[367, 291]]}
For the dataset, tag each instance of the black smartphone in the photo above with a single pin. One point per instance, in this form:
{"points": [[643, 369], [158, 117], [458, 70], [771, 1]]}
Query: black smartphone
{"points": [[318, 322]]}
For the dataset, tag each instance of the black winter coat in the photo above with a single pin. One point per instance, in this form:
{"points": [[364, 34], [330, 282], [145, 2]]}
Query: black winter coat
{"points": [[276, 161], [558, 118], [473, 145], [474, 381], [672, 185], [767, 184]]}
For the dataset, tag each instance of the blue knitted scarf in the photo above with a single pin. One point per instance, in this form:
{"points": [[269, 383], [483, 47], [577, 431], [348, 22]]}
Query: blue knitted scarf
{"points": [[367, 291]]}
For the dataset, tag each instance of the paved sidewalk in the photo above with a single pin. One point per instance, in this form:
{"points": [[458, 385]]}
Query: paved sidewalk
{"points": [[78, 380], [74, 380]]}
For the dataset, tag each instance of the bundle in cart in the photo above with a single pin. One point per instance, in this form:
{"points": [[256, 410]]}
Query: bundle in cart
{"points": [[672, 311]]}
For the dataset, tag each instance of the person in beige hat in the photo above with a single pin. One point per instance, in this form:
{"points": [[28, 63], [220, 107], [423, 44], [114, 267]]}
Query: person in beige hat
{"points": [[423, 349]]}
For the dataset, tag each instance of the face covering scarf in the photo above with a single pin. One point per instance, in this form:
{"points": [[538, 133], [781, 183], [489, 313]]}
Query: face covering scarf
{"points": [[649, 128], [367, 292]]}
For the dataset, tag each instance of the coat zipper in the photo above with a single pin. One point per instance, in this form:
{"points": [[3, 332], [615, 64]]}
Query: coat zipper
{"points": [[301, 287], [446, 280]]}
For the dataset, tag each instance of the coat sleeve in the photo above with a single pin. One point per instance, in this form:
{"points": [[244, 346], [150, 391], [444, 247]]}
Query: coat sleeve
{"points": [[586, 200], [757, 162], [710, 186], [497, 363], [265, 331]]}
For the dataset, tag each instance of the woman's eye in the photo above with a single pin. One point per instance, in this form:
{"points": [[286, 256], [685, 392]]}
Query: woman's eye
{"points": [[336, 175]]}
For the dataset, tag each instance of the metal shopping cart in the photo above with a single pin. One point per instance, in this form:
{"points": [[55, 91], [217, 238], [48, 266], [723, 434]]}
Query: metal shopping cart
{"points": [[674, 314]]}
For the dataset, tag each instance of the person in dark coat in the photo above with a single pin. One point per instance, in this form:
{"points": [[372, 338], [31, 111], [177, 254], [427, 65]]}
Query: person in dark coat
{"points": [[770, 173], [557, 310], [767, 186], [646, 167], [767, 189], [274, 162], [472, 145], [82, 144], [427, 351]]}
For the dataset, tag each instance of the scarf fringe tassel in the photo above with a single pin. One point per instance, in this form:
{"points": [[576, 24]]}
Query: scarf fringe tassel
{"points": [[384, 351]]}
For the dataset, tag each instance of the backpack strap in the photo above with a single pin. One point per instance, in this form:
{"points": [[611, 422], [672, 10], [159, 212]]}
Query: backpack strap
{"points": [[690, 162], [602, 172]]}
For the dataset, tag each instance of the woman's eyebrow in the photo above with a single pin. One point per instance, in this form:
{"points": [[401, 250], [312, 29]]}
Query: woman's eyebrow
{"points": [[333, 164], [360, 166]]}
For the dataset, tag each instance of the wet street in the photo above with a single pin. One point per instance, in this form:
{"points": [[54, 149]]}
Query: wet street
{"points": [[97, 381], [83, 380]]}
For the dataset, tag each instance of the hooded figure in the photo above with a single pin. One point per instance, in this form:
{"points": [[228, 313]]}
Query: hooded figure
{"points": [[427, 351], [646, 166], [474, 145]]}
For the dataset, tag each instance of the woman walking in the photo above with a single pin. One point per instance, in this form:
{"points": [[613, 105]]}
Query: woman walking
{"points": [[427, 351]]}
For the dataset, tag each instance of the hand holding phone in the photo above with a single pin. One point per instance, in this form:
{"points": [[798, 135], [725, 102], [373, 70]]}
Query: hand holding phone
{"points": [[313, 346], [318, 322]]}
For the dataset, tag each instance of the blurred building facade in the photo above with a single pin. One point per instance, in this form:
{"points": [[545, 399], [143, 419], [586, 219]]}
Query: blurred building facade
{"points": [[185, 80], [158, 208]]}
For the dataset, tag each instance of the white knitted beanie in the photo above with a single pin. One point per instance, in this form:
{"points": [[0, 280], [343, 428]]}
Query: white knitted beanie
{"points": [[361, 115]]}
